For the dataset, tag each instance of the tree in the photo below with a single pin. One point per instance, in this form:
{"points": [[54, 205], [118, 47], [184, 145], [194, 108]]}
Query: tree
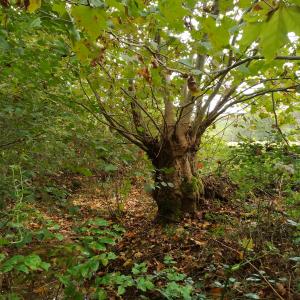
{"points": [[161, 73]]}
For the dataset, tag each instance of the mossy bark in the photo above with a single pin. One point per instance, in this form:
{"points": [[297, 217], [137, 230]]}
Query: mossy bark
{"points": [[178, 188]]}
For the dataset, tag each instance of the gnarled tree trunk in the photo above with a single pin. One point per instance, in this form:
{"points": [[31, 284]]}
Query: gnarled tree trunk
{"points": [[178, 188]]}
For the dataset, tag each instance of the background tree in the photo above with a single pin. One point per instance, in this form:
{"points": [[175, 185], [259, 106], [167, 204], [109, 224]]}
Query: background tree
{"points": [[161, 73]]}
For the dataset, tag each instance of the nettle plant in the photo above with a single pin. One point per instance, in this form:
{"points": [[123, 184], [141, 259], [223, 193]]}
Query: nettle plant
{"points": [[161, 73]]}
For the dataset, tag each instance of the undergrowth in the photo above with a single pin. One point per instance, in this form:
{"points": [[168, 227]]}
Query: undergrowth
{"points": [[229, 253]]}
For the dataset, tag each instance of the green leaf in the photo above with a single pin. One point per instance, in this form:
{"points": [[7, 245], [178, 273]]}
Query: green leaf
{"points": [[97, 246], [22, 268], [139, 268], [93, 265], [144, 284], [174, 276], [121, 290], [2, 256], [36, 23], [106, 240], [251, 33], [245, 3], [9, 264], [33, 261], [235, 267], [84, 171], [45, 266], [81, 50], [273, 34], [92, 20], [155, 75], [110, 168], [101, 294], [59, 236], [296, 259], [99, 222], [173, 13], [218, 35], [60, 8], [85, 270], [291, 16], [168, 260]]}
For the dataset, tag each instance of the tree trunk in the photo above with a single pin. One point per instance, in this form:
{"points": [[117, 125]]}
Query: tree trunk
{"points": [[178, 188]]}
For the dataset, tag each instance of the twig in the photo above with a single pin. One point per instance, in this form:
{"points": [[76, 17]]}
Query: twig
{"points": [[266, 280], [276, 121]]}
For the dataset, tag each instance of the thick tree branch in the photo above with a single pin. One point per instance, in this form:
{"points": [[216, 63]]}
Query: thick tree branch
{"points": [[133, 98], [169, 116], [135, 139], [223, 108], [248, 59]]}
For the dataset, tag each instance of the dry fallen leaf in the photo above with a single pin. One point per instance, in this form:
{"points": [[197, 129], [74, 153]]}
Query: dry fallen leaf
{"points": [[128, 263], [216, 292], [280, 288], [199, 243], [138, 255]]}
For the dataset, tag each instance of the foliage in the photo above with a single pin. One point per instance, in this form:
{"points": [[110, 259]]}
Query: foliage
{"points": [[84, 84], [269, 167]]}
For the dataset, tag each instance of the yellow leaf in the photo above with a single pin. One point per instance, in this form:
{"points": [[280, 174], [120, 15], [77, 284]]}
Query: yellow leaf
{"points": [[247, 244], [138, 255], [241, 255], [196, 93], [34, 5], [128, 262]]}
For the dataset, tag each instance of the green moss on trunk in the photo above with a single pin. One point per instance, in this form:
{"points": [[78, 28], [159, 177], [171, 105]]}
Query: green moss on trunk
{"points": [[192, 186]]}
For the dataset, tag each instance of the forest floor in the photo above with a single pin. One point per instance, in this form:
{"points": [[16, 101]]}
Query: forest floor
{"points": [[255, 238]]}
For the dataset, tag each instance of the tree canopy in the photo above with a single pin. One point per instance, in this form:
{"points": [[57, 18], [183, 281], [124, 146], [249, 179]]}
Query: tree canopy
{"points": [[151, 65]]}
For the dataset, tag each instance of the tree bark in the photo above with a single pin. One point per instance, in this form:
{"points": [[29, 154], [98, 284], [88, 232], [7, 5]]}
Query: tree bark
{"points": [[178, 188]]}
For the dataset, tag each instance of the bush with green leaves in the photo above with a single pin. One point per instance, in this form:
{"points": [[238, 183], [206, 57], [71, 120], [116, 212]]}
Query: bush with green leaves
{"points": [[90, 254], [168, 283], [265, 168]]}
